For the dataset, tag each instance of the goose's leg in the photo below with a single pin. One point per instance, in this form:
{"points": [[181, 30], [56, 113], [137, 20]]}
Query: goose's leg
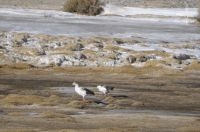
{"points": [[106, 94], [83, 98]]}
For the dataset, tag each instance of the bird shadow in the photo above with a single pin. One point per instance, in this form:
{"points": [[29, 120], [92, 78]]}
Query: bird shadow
{"points": [[119, 96], [100, 102]]}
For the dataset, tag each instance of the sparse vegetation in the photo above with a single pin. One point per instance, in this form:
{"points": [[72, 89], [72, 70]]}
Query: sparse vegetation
{"points": [[86, 7]]}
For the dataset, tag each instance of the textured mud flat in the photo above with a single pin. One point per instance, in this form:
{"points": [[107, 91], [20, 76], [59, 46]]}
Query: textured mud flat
{"points": [[44, 100]]}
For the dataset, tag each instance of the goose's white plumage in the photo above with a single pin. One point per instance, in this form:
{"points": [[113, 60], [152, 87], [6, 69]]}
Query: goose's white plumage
{"points": [[104, 89], [82, 91]]}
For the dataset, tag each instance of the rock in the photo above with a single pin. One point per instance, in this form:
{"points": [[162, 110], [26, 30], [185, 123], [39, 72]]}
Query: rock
{"points": [[131, 59], [80, 56], [151, 57], [143, 59], [17, 43], [187, 63], [79, 63], [78, 47], [181, 57], [180, 62], [59, 61], [25, 38], [99, 45], [118, 41], [1, 47], [67, 63], [111, 63], [54, 60], [92, 63], [42, 52], [118, 56]]}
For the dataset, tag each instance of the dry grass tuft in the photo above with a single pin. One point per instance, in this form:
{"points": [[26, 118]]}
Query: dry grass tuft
{"points": [[113, 106], [15, 99], [18, 66], [111, 47], [76, 104], [109, 99], [18, 130], [16, 114], [53, 100], [87, 7], [194, 66], [50, 114]]}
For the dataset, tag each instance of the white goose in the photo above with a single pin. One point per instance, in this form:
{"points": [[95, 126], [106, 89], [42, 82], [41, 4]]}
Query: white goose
{"points": [[105, 89], [82, 91]]}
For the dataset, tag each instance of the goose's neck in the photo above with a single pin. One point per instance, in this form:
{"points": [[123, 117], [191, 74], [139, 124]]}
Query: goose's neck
{"points": [[76, 86]]}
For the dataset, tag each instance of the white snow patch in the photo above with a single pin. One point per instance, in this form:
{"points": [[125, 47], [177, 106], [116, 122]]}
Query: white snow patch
{"points": [[34, 12], [137, 47], [50, 59], [139, 64], [132, 11], [192, 52], [153, 47]]}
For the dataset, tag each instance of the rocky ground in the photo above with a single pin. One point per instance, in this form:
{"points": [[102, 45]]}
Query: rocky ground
{"points": [[62, 51]]}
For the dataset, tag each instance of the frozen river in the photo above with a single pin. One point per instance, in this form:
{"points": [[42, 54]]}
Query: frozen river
{"points": [[59, 23]]}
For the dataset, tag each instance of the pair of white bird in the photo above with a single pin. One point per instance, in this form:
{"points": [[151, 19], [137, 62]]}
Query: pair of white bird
{"points": [[84, 91]]}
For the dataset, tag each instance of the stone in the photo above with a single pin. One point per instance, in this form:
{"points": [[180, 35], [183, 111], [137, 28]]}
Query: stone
{"points": [[181, 57], [118, 41], [1, 47], [187, 63], [99, 45], [151, 57], [79, 47], [80, 56], [42, 52], [142, 59], [67, 63], [131, 59], [118, 56], [25, 39]]}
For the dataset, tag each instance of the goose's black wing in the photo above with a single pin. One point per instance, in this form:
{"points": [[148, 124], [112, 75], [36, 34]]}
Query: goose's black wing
{"points": [[109, 88], [90, 92]]}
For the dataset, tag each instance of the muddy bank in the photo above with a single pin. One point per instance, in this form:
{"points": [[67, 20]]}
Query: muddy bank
{"points": [[33, 99], [133, 91]]}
